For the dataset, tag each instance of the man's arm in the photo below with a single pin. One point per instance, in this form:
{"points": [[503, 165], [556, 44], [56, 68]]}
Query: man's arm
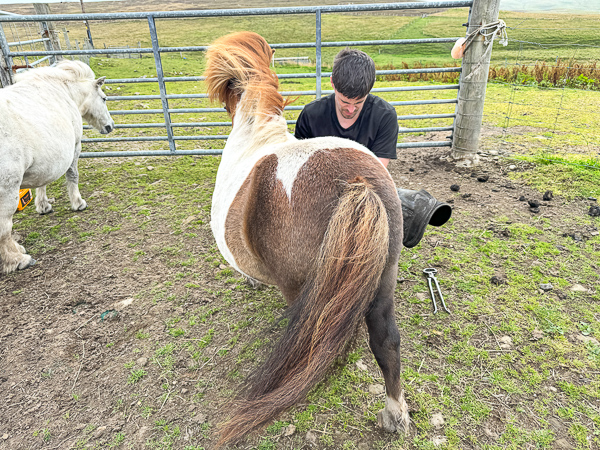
{"points": [[302, 130], [384, 145], [384, 161]]}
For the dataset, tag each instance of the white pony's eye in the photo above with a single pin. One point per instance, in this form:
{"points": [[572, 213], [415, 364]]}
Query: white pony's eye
{"points": [[104, 99]]}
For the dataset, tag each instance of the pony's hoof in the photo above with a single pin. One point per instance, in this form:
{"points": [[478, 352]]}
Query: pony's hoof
{"points": [[45, 211], [394, 417], [27, 264], [80, 207], [391, 424], [254, 284]]}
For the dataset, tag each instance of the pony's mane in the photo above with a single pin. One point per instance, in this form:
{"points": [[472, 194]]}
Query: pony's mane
{"points": [[65, 71], [237, 64]]}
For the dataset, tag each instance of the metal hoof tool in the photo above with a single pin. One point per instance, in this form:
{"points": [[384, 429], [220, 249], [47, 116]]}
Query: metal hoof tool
{"points": [[430, 272]]}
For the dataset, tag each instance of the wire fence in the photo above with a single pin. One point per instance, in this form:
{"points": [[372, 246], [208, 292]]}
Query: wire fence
{"points": [[543, 97], [29, 37]]}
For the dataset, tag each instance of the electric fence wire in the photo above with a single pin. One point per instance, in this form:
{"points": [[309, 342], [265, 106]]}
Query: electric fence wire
{"points": [[550, 150]]}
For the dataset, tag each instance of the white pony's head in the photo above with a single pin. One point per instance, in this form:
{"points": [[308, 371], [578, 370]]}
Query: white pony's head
{"points": [[85, 89], [93, 107]]}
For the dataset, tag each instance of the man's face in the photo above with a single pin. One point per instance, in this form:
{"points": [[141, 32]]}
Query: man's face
{"points": [[349, 108]]}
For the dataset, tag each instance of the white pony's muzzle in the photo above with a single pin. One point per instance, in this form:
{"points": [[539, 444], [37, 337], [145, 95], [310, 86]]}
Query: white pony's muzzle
{"points": [[108, 128]]}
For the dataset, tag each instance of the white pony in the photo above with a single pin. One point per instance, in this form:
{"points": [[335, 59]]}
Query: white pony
{"points": [[41, 130]]}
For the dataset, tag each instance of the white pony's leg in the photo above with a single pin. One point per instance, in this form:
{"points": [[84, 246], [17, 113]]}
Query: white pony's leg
{"points": [[72, 176], [42, 204], [12, 255]]}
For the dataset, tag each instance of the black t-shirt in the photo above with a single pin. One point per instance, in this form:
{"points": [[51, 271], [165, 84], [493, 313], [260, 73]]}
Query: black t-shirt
{"points": [[376, 127]]}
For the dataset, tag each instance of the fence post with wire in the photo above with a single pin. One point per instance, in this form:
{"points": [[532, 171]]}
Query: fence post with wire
{"points": [[48, 31], [473, 80]]}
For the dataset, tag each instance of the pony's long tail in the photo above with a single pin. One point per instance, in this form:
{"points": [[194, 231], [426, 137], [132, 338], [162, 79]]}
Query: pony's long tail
{"points": [[325, 315]]}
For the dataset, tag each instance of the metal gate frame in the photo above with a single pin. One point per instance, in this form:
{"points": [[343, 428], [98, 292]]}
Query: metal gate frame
{"points": [[156, 50]]}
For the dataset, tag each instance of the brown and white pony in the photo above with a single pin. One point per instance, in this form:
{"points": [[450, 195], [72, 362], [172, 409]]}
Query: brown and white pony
{"points": [[321, 219]]}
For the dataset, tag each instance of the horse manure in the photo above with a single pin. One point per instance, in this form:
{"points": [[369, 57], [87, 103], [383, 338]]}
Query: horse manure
{"points": [[594, 211], [455, 188], [533, 203], [465, 195], [548, 195], [522, 198], [574, 236], [534, 210], [498, 280], [483, 178]]}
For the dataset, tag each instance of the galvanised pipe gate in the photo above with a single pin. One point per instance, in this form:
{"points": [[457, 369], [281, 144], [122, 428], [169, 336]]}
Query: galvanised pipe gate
{"points": [[156, 50]]}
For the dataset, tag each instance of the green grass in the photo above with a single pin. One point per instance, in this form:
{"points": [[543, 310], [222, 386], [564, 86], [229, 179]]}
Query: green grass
{"points": [[451, 364]]}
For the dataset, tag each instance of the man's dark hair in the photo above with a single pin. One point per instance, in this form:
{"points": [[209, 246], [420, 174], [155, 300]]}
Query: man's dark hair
{"points": [[353, 73]]}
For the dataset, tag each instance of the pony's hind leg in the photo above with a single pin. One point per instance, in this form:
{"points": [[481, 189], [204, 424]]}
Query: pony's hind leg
{"points": [[42, 204], [12, 255], [384, 340], [72, 176]]}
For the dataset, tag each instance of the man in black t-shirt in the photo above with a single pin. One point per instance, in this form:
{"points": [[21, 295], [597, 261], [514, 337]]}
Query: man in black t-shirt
{"points": [[352, 113], [375, 126]]}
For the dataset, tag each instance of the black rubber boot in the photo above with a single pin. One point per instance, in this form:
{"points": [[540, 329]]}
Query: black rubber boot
{"points": [[419, 209]]}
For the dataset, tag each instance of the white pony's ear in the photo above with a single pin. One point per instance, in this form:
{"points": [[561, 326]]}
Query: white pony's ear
{"points": [[100, 81]]}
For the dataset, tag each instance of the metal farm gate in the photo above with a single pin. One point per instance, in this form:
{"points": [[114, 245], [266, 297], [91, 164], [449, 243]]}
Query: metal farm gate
{"points": [[481, 12]]}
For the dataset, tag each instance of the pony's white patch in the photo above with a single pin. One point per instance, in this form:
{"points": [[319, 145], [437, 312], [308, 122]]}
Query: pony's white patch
{"points": [[292, 157], [236, 164]]}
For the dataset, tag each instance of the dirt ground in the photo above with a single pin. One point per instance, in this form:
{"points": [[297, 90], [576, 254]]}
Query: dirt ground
{"points": [[71, 323]]}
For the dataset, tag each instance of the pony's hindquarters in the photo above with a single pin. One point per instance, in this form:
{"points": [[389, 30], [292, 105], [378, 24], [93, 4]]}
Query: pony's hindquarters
{"points": [[332, 302]]}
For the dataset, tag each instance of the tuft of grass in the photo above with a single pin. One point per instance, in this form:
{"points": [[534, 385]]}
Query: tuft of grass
{"points": [[136, 375]]}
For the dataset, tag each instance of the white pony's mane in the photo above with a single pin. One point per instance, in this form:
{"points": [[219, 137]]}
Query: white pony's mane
{"points": [[66, 71]]}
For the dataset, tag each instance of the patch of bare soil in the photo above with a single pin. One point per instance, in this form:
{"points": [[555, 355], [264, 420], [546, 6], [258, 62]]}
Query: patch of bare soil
{"points": [[70, 323]]}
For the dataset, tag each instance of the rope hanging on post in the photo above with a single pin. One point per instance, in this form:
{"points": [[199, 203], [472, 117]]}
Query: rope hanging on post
{"points": [[489, 31]]}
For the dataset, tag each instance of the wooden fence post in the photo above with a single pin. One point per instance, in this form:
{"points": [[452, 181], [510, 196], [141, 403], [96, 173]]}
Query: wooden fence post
{"points": [[5, 70], [471, 93], [48, 31]]}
